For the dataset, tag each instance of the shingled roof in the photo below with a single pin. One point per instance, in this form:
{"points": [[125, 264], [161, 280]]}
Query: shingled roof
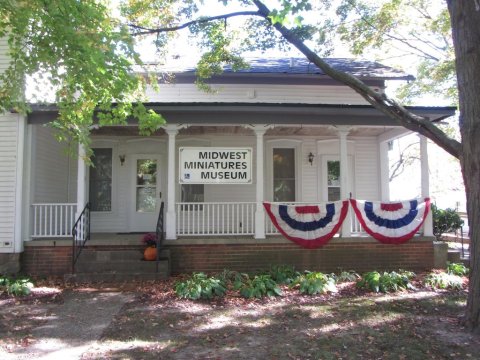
{"points": [[302, 66]]}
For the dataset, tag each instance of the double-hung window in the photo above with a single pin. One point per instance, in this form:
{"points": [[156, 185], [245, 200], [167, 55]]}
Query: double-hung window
{"points": [[100, 182], [284, 182]]}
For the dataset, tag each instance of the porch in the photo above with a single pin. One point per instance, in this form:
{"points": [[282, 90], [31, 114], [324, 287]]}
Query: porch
{"points": [[219, 219]]}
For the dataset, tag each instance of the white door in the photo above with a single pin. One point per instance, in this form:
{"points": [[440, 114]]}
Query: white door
{"points": [[146, 193]]}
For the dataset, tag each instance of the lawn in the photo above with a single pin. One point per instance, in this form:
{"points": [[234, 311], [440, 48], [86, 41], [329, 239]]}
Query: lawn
{"points": [[349, 324]]}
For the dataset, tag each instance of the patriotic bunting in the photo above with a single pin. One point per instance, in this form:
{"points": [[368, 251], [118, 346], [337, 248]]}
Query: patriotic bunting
{"points": [[391, 223], [309, 226]]}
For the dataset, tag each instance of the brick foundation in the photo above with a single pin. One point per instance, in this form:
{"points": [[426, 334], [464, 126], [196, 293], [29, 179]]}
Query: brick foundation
{"points": [[358, 256], [213, 255]]}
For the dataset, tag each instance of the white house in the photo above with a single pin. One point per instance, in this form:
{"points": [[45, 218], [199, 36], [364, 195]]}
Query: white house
{"points": [[296, 135]]}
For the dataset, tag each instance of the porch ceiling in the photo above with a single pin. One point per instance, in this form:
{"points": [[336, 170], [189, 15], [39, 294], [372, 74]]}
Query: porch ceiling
{"points": [[240, 130]]}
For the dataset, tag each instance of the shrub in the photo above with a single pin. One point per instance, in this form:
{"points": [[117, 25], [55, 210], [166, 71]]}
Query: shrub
{"points": [[346, 276], [200, 286], [457, 269], [259, 286], [386, 282], [444, 280], [283, 274], [15, 287], [230, 276], [312, 283], [445, 221]]}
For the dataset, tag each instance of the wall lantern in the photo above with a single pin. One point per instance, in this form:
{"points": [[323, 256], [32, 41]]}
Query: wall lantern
{"points": [[310, 158], [122, 159]]}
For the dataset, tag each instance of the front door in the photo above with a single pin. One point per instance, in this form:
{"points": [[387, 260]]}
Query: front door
{"points": [[146, 193]]}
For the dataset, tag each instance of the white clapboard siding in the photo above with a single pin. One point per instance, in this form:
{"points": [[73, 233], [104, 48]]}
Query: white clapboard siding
{"points": [[51, 168], [8, 177], [4, 59], [367, 183], [310, 173], [259, 93]]}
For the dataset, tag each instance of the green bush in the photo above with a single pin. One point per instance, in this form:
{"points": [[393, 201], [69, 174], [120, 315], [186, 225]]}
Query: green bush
{"points": [[386, 282], [15, 287], [312, 283], [200, 286], [346, 276], [457, 269], [445, 221], [283, 274], [444, 280], [259, 286], [230, 276]]}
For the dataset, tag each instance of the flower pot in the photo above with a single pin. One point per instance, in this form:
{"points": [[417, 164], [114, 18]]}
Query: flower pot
{"points": [[150, 253]]}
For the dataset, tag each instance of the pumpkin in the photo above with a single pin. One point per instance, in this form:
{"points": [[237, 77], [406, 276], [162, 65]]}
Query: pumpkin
{"points": [[150, 253]]}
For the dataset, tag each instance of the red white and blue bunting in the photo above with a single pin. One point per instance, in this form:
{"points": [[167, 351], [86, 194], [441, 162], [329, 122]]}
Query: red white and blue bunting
{"points": [[309, 226], [393, 222]]}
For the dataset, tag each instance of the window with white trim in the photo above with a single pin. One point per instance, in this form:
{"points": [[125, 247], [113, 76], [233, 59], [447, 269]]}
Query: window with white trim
{"points": [[284, 181], [100, 180]]}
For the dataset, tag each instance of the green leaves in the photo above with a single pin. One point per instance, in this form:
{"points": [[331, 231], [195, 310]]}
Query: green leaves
{"points": [[87, 56], [442, 280], [444, 221], [386, 282], [312, 283], [15, 287], [259, 286], [200, 286]]}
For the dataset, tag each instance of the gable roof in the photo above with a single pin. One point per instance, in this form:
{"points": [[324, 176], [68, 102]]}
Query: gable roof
{"points": [[303, 67]]}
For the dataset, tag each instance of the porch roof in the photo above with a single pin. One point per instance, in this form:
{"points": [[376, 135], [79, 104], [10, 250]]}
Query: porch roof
{"points": [[261, 113]]}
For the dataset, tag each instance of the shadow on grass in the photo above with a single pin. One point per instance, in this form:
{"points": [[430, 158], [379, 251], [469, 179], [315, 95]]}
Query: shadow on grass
{"points": [[387, 327]]}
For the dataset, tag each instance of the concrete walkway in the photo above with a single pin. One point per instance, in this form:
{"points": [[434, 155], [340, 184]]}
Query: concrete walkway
{"points": [[73, 327]]}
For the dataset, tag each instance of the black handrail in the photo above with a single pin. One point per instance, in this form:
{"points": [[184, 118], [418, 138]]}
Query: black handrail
{"points": [[80, 234], [159, 234]]}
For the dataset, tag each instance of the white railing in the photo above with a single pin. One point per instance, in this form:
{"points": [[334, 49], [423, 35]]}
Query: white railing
{"points": [[356, 228], [198, 219], [53, 220]]}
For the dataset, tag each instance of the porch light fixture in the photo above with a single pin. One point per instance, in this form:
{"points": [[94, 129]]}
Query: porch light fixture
{"points": [[122, 159], [310, 158]]}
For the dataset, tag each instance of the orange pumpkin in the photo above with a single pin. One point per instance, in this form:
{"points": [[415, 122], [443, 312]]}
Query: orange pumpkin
{"points": [[150, 253]]}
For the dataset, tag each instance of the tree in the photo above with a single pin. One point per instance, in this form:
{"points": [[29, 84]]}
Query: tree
{"points": [[413, 33], [86, 58], [161, 17]]}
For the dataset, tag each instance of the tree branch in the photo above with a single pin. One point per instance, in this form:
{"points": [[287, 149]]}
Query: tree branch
{"points": [[147, 31], [381, 102]]}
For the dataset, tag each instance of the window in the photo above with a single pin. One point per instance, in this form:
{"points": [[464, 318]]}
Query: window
{"points": [[284, 174], [333, 180], [193, 193], [100, 193], [146, 187]]}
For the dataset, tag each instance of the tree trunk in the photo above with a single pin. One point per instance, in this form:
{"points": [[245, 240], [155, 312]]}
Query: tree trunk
{"points": [[465, 18]]}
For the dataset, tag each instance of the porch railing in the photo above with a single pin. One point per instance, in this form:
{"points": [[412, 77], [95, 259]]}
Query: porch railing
{"points": [[159, 232], [215, 219], [53, 220], [80, 234]]}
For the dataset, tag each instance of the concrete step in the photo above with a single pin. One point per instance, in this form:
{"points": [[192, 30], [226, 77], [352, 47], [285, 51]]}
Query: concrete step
{"points": [[140, 266], [453, 256]]}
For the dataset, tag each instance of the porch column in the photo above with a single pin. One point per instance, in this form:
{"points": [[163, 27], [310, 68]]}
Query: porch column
{"points": [[344, 193], [384, 171], [171, 231], [260, 212], [428, 224], [81, 181]]}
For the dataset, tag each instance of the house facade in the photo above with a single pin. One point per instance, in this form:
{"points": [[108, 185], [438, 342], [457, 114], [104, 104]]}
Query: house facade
{"points": [[280, 132]]}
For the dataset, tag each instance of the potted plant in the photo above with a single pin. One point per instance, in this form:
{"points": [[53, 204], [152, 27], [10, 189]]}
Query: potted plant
{"points": [[150, 240]]}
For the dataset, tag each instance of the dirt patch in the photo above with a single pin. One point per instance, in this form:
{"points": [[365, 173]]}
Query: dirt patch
{"points": [[350, 324]]}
